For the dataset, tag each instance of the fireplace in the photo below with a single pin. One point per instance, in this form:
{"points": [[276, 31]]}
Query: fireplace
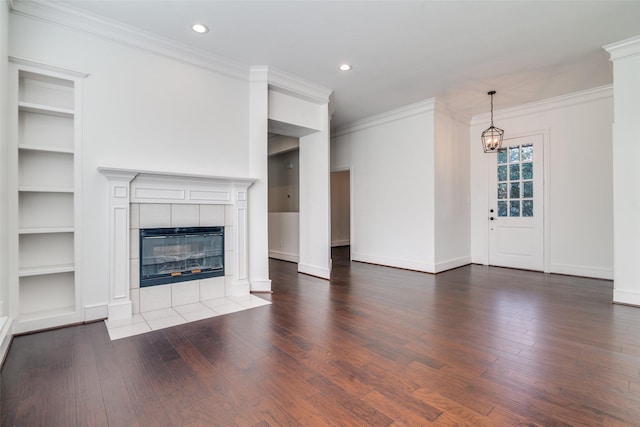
{"points": [[141, 199], [170, 255]]}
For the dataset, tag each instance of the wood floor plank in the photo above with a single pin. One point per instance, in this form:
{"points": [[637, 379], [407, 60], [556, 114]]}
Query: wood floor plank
{"points": [[375, 346]]}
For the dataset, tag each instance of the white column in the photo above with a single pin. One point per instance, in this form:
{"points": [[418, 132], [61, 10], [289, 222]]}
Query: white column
{"points": [[315, 208], [258, 218], [625, 56], [120, 306]]}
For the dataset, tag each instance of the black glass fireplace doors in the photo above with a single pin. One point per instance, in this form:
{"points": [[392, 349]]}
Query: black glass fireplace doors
{"points": [[169, 255]]}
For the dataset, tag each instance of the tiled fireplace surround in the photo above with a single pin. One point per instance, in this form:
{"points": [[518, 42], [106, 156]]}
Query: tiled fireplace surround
{"points": [[148, 199]]}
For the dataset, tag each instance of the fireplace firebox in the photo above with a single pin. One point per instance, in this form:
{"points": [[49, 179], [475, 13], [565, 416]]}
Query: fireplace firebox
{"points": [[170, 255]]}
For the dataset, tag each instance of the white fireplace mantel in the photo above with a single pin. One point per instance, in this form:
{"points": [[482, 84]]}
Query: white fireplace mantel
{"points": [[128, 186]]}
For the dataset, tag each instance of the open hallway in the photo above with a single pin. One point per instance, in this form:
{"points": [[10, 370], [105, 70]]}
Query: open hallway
{"points": [[375, 346]]}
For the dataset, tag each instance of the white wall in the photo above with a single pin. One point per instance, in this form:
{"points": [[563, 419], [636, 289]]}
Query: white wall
{"points": [[452, 198], [284, 236], [284, 182], [144, 111], [4, 46], [391, 159], [578, 179], [625, 56], [284, 200]]}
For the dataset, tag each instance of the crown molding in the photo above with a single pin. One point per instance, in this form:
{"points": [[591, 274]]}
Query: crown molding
{"points": [[293, 85], [52, 68], [410, 110], [49, 11], [562, 101], [624, 48]]}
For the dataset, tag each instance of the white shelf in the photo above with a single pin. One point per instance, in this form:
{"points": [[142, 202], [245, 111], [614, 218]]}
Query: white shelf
{"points": [[45, 269], [45, 149], [46, 189], [45, 230], [48, 315], [45, 109], [46, 173]]}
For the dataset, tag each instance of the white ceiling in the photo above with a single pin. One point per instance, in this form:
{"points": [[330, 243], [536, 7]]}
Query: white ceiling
{"points": [[402, 51]]}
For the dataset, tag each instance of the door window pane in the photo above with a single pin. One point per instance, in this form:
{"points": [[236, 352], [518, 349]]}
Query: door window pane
{"points": [[502, 208], [527, 152], [527, 208], [514, 154], [515, 190], [514, 172], [527, 170], [502, 156], [502, 190], [502, 173], [527, 189], [514, 208]]}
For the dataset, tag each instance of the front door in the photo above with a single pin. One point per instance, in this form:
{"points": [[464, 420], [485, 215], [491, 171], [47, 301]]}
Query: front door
{"points": [[515, 217]]}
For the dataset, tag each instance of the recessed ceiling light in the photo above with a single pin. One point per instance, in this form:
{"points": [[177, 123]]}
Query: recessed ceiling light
{"points": [[345, 67], [200, 28]]}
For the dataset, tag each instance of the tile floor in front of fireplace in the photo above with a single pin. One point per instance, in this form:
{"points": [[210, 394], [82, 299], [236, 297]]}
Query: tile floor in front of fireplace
{"points": [[164, 318]]}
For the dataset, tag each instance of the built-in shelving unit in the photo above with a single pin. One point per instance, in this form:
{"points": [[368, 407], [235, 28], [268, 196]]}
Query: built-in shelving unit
{"points": [[46, 172]]}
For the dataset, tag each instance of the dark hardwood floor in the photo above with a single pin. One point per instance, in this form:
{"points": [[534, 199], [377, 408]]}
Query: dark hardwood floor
{"points": [[375, 346]]}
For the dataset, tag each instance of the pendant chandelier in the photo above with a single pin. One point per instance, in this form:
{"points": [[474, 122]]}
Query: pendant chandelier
{"points": [[492, 137]]}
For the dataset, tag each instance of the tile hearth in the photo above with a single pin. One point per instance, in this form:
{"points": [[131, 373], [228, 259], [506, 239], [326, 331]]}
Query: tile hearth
{"points": [[164, 318]]}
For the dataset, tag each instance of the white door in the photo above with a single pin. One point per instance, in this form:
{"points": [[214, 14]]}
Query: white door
{"points": [[515, 216]]}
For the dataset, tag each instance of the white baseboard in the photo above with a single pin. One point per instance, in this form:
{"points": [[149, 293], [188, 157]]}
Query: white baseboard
{"points": [[624, 297], [314, 270], [452, 263], [394, 262], [345, 242], [261, 285], [5, 337], [579, 270], [284, 256], [95, 312]]}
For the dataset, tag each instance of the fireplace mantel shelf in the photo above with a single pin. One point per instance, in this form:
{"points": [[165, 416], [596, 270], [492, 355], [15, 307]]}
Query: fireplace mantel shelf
{"points": [[107, 170]]}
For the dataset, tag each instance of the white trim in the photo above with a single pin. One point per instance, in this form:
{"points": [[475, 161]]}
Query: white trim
{"points": [[581, 270], [95, 312], [261, 286], [387, 117], [622, 297], [562, 101], [5, 336], [314, 270], [394, 262], [624, 48], [110, 30], [39, 66], [300, 88], [452, 263], [284, 256]]}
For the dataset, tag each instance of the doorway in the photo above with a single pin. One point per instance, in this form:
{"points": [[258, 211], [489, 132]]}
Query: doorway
{"points": [[516, 204], [340, 208]]}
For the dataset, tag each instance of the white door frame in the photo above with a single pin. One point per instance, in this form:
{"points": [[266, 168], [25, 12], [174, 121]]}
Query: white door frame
{"points": [[490, 166]]}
